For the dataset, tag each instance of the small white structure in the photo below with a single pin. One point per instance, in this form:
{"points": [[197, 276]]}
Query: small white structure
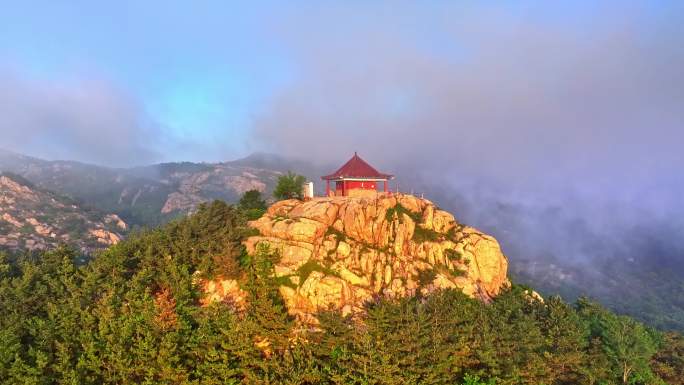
{"points": [[308, 190]]}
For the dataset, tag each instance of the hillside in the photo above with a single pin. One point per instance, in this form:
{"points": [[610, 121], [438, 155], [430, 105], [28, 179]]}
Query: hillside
{"points": [[35, 219], [139, 314], [150, 195]]}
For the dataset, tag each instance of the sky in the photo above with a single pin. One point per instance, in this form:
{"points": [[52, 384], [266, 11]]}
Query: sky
{"points": [[132, 82], [522, 93]]}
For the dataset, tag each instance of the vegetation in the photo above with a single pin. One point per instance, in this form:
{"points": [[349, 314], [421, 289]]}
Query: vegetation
{"points": [[132, 316], [421, 234], [397, 212], [289, 186], [426, 277], [668, 363], [455, 256], [252, 204]]}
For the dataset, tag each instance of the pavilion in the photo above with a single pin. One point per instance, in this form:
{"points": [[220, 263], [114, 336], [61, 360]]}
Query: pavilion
{"points": [[356, 178]]}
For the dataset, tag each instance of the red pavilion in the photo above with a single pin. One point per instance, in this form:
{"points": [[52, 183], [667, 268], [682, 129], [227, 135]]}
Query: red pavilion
{"points": [[356, 178]]}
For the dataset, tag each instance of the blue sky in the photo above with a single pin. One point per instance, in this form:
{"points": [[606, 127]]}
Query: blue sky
{"points": [[131, 82], [197, 70]]}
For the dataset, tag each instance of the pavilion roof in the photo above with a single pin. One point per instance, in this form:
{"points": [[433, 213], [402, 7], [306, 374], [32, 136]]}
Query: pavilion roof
{"points": [[357, 168]]}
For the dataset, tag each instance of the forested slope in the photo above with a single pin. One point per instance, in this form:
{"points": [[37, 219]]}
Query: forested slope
{"points": [[132, 316]]}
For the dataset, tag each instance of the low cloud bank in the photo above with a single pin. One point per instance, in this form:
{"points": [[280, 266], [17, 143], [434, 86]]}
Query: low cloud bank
{"points": [[88, 120]]}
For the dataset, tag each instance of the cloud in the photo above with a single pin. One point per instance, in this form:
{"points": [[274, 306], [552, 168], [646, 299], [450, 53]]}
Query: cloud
{"points": [[558, 130], [514, 94], [89, 120]]}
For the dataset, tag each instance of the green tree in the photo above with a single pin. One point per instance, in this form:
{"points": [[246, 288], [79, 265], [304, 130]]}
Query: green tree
{"points": [[395, 345], [220, 346], [475, 380], [252, 200], [267, 323], [332, 345], [566, 340], [628, 344], [133, 314], [252, 204], [289, 186], [668, 362]]}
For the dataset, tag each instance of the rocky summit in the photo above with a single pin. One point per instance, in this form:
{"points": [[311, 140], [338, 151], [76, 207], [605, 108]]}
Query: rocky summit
{"points": [[341, 252]]}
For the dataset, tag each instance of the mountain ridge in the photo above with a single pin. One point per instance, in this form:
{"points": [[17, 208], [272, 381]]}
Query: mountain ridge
{"points": [[153, 194]]}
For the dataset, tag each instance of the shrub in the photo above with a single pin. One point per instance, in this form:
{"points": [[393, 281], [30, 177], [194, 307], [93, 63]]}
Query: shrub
{"points": [[475, 380], [454, 256], [399, 209], [425, 277], [340, 236], [289, 186], [421, 234]]}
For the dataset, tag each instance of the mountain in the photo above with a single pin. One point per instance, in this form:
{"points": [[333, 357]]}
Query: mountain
{"points": [[35, 219], [138, 201], [341, 252], [140, 313], [555, 252], [150, 195]]}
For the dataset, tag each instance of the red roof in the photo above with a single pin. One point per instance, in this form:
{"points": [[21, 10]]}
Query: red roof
{"points": [[357, 168]]}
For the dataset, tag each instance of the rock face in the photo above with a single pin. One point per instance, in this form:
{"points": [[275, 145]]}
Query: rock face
{"points": [[341, 252], [223, 290], [219, 180], [35, 219]]}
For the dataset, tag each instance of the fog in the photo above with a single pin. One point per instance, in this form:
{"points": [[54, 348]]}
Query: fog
{"points": [[87, 119], [517, 99], [560, 134]]}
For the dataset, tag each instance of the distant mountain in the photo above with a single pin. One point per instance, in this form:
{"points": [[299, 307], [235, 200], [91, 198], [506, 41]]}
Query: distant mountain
{"points": [[636, 270], [137, 200], [35, 219], [150, 195]]}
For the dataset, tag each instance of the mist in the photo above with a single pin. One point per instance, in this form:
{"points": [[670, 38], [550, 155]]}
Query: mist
{"points": [[559, 133], [85, 119]]}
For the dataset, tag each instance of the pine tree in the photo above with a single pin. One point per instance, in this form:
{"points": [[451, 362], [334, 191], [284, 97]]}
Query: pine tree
{"points": [[628, 344], [452, 330], [289, 186], [218, 345], [267, 322], [252, 204], [565, 339], [668, 362], [512, 343]]}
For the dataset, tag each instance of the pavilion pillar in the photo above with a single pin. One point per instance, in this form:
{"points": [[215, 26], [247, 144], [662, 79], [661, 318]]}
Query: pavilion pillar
{"points": [[384, 185], [327, 187], [344, 188]]}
